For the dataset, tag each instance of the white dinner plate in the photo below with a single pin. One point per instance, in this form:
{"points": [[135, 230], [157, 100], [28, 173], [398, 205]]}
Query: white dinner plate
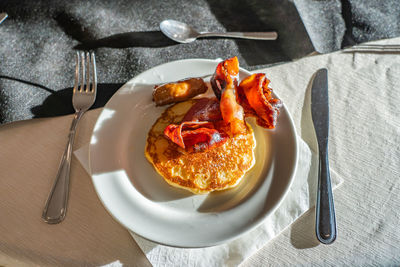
{"points": [[138, 197]]}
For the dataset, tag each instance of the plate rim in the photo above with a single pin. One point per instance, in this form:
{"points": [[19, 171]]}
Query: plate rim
{"points": [[251, 226]]}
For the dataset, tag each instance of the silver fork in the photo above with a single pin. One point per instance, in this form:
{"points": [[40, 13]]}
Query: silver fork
{"points": [[82, 99]]}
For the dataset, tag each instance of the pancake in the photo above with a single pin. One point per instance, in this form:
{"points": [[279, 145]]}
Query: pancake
{"points": [[219, 168]]}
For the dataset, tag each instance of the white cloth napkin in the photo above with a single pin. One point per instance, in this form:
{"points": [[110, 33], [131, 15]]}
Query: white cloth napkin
{"points": [[301, 197]]}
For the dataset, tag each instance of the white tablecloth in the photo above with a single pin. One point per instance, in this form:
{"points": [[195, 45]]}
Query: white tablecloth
{"points": [[364, 93], [364, 148]]}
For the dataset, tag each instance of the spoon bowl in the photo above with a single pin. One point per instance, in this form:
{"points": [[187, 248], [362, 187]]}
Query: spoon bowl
{"points": [[178, 31]]}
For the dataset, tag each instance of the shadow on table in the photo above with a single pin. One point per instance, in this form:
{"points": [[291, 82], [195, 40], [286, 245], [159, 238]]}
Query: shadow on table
{"points": [[302, 234], [5, 77], [73, 28], [129, 39], [60, 102], [303, 231], [258, 15]]}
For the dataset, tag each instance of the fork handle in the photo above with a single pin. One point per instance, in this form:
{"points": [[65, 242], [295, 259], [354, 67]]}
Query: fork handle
{"points": [[56, 204]]}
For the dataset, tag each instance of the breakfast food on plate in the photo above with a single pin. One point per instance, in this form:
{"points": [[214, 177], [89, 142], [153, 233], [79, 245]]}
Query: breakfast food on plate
{"points": [[224, 84], [217, 167], [178, 91], [256, 98], [204, 144]]}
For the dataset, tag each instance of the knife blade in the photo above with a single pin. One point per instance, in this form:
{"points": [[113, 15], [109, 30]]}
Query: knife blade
{"points": [[325, 226], [3, 16]]}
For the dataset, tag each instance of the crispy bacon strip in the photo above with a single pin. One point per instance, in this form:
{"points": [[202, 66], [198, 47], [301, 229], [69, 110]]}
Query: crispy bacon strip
{"points": [[232, 112], [224, 83], [226, 72], [258, 101], [205, 109], [195, 136]]}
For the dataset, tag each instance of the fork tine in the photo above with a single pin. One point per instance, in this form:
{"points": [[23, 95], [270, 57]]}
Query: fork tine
{"points": [[77, 61], [94, 76], [87, 90], [82, 79]]}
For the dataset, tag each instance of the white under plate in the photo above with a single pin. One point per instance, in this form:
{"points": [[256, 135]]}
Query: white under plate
{"points": [[138, 197]]}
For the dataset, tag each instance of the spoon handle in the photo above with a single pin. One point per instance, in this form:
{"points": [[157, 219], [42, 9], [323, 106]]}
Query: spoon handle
{"points": [[242, 35]]}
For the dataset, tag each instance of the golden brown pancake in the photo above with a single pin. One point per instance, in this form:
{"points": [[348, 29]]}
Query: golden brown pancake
{"points": [[202, 172]]}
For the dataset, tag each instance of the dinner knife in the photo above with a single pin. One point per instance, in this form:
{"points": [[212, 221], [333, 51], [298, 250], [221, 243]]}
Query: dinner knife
{"points": [[3, 16], [325, 226]]}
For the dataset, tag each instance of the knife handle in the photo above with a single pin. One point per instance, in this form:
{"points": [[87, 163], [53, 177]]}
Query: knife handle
{"points": [[325, 226]]}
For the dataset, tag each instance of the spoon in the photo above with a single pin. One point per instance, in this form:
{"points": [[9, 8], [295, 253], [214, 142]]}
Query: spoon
{"points": [[182, 33]]}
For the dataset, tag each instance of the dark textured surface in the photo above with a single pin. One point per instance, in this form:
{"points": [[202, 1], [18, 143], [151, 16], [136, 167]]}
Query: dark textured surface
{"points": [[40, 37]]}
